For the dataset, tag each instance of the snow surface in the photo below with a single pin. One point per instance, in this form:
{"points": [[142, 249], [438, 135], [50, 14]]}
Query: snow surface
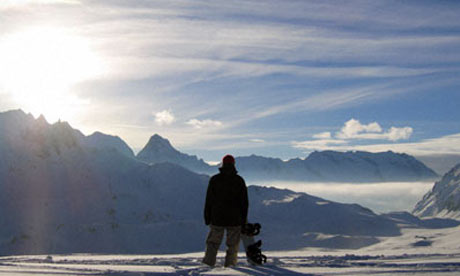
{"points": [[403, 255]]}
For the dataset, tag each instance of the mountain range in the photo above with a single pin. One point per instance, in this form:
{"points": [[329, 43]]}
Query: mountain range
{"points": [[64, 192], [325, 166]]}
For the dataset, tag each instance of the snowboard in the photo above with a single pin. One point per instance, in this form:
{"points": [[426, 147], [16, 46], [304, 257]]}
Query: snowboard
{"points": [[251, 246]]}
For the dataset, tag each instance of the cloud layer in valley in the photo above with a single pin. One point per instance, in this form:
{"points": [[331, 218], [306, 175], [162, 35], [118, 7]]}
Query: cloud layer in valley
{"points": [[380, 197]]}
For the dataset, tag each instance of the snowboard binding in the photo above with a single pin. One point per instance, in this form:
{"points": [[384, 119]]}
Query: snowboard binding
{"points": [[251, 229], [253, 252]]}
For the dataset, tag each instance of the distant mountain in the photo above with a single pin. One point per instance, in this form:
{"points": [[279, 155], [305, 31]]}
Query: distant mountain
{"points": [[359, 166], [332, 166], [444, 199], [325, 166], [160, 150], [59, 194], [100, 140]]}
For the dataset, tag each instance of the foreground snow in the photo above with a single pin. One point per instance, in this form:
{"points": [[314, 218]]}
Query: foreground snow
{"points": [[289, 264], [416, 252]]}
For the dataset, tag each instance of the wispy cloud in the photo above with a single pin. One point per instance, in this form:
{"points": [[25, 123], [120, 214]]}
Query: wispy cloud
{"points": [[323, 100], [353, 129], [398, 133], [449, 144], [160, 39], [323, 135], [380, 197], [255, 67], [199, 124], [321, 144], [164, 117], [339, 98]]}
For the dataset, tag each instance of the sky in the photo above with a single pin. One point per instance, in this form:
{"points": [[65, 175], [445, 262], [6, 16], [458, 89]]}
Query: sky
{"points": [[273, 78]]}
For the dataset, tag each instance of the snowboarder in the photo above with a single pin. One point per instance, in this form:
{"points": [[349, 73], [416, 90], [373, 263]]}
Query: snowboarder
{"points": [[226, 209]]}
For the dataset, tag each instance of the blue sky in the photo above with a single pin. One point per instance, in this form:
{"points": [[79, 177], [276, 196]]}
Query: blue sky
{"points": [[275, 78]]}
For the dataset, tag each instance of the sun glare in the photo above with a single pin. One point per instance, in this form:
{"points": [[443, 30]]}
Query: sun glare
{"points": [[39, 66]]}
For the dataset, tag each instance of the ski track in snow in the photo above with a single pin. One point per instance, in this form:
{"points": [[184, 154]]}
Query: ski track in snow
{"points": [[189, 264]]}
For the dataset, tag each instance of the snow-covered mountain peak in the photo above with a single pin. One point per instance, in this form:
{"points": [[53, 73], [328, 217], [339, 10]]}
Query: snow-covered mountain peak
{"points": [[64, 130], [15, 119], [159, 150], [455, 171], [158, 144], [63, 127], [100, 140], [444, 199], [41, 120], [15, 113]]}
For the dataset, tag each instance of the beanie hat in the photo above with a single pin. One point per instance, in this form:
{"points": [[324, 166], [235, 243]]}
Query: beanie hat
{"points": [[228, 159]]}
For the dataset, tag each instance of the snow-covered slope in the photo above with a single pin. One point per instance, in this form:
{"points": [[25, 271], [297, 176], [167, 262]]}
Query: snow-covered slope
{"points": [[60, 195], [284, 263], [444, 199], [418, 252], [296, 220]]}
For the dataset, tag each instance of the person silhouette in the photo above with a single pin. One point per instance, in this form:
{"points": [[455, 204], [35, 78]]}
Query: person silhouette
{"points": [[226, 209]]}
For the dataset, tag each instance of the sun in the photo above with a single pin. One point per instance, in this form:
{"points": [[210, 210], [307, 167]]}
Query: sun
{"points": [[39, 66]]}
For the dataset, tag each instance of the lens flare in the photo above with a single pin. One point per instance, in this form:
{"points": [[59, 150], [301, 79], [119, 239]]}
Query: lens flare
{"points": [[39, 66]]}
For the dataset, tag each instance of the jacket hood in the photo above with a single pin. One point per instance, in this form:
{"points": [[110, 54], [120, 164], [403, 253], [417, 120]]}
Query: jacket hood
{"points": [[228, 169]]}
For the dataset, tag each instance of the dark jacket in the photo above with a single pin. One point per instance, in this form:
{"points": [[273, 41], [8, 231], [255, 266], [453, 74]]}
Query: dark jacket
{"points": [[226, 199]]}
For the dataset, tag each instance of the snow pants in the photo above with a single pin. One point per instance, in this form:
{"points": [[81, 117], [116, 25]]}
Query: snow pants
{"points": [[214, 239]]}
